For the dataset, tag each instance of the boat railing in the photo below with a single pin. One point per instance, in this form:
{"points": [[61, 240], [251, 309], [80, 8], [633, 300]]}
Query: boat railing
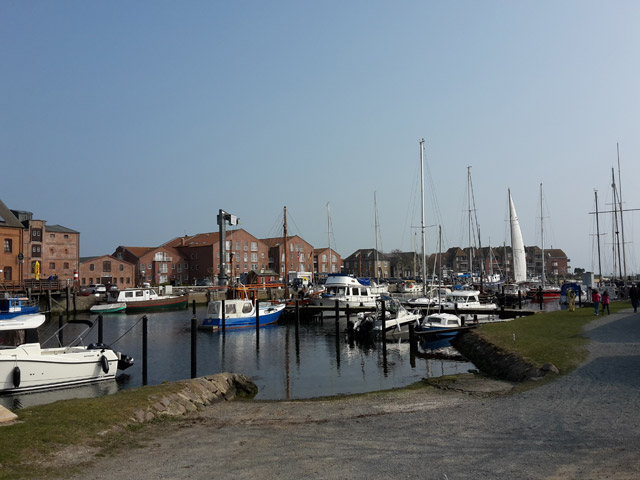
{"points": [[78, 339]]}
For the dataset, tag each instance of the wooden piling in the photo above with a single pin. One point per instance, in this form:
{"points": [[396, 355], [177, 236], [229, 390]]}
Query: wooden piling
{"points": [[145, 345], [194, 343]]}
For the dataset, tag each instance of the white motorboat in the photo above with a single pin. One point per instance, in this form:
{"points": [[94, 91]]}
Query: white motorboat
{"points": [[348, 290], [396, 317], [26, 366], [467, 300], [241, 313], [434, 297], [440, 325]]}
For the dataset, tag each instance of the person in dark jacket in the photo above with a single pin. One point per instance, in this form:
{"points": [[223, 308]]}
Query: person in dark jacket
{"points": [[634, 295]]}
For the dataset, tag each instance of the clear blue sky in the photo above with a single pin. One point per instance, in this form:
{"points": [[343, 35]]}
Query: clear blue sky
{"points": [[134, 122]]}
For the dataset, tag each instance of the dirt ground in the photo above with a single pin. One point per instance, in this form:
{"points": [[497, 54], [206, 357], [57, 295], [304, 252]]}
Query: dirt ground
{"points": [[584, 425]]}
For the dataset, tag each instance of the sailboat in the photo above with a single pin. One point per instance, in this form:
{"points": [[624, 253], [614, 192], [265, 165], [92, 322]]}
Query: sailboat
{"points": [[519, 274], [547, 291]]}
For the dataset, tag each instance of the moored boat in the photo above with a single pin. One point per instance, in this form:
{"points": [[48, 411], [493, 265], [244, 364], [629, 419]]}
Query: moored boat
{"points": [[108, 307], [348, 290], [144, 299], [26, 366], [241, 313], [395, 315], [11, 307]]}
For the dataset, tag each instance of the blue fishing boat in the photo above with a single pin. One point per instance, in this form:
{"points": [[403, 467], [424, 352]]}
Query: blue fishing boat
{"points": [[241, 313], [11, 307]]}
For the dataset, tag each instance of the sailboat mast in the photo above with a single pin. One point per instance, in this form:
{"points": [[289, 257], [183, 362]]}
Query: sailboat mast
{"points": [[624, 257], [470, 233], [284, 256], [375, 207], [598, 239], [424, 258], [616, 231], [329, 237], [542, 235]]}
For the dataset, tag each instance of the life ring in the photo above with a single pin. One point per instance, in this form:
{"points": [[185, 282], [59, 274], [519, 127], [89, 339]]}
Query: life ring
{"points": [[16, 377], [105, 364]]}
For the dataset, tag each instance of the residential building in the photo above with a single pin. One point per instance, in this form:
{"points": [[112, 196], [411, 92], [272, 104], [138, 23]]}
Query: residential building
{"points": [[326, 261], [296, 257], [157, 265], [11, 256], [362, 263]]}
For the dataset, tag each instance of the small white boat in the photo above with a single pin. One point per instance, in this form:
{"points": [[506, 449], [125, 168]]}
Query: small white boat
{"points": [[146, 298], [396, 317], [108, 307], [467, 300], [440, 325], [409, 286], [26, 366]]}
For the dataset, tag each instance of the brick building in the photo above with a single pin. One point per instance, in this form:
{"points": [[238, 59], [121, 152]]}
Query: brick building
{"points": [[54, 247], [156, 265], [362, 263], [298, 255], [326, 261], [201, 253], [107, 270]]}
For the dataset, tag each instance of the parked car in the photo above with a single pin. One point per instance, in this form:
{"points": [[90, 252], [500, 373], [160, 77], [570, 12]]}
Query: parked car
{"points": [[97, 288]]}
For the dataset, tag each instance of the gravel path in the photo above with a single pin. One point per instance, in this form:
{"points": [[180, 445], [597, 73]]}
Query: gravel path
{"points": [[585, 425]]}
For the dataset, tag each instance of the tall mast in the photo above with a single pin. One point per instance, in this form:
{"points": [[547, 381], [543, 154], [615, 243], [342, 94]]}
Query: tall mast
{"points": [[424, 258], [375, 207], [615, 226], [598, 239], [470, 233], [284, 256], [624, 257], [329, 235], [542, 235]]}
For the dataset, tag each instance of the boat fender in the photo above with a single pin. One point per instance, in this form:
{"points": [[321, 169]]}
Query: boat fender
{"points": [[16, 377], [105, 364]]}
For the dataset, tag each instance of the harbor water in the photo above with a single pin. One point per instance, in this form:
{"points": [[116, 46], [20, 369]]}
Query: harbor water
{"points": [[319, 361]]}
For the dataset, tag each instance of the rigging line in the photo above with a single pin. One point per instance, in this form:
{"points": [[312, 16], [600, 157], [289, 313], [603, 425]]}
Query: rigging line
{"points": [[411, 207], [120, 337]]}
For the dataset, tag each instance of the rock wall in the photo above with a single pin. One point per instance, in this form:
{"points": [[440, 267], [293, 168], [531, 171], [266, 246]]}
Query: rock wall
{"points": [[495, 362], [197, 393]]}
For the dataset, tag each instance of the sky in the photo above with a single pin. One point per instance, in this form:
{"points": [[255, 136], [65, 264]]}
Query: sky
{"points": [[135, 122]]}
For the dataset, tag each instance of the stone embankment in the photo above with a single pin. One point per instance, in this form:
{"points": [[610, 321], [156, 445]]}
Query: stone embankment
{"points": [[495, 362], [195, 394]]}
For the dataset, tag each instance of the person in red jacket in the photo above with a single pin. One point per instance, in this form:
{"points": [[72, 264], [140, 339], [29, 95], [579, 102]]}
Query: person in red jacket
{"points": [[595, 298]]}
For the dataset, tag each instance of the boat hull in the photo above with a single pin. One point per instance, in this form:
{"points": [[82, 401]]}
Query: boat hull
{"points": [[28, 368], [108, 308], [268, 316], [156, 304]]}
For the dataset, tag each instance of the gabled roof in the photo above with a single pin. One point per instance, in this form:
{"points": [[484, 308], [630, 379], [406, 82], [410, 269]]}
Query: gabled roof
{"points": [[7, 217], [58, 229], [137, 251]]}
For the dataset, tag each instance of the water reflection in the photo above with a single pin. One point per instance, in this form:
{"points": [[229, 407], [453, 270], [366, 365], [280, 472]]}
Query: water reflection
{"points": [[285, 361]]}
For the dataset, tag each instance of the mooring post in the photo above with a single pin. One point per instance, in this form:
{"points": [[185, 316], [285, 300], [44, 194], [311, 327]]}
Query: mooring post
{"points": [[257, 315], [68, 295], [519, 299], [297, 317], [337, 310], [60, 330], [540, 297], [194, 343], [321, 317], [413, 346], [383, 326], [100, 329], [145, 330], [74, 303], [224, 314], [349, 323], [194, 308]]}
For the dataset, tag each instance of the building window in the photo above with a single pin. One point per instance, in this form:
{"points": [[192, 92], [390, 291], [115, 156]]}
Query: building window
{"points": [[106, 266], [8, 245], [52, 266], [36, 251], [66, 265], [7, 273], [52, 235], [128, 280], [66, 236], [36, 235], [92, 267], [121, 268]]}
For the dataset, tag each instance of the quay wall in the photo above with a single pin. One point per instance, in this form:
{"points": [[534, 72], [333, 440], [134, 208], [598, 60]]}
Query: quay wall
{"points": [[495, 362]]}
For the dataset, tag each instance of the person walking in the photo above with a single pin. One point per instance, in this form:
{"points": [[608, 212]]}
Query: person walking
{"points": [[605, 302], [595, 299], [634, 295]]}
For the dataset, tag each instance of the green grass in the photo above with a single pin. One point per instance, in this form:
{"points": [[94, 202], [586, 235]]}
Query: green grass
{"points": [[546, 337], [28, 448]]}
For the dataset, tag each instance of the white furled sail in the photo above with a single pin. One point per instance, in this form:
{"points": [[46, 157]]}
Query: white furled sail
{"points": [[517, 245]]}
